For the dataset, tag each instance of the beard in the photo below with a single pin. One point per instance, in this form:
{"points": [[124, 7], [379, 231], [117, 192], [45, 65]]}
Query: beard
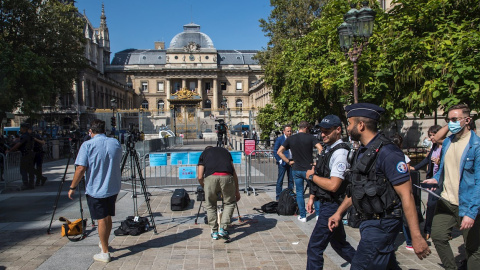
{"points": [[354, 134]]}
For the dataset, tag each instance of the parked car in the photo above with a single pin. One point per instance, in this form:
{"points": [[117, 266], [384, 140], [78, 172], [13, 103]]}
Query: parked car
{"points": [[239, 128]]}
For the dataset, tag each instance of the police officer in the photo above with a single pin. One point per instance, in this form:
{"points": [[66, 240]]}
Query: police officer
{"points": [[25, 145], [380, 187], [329, 188]]}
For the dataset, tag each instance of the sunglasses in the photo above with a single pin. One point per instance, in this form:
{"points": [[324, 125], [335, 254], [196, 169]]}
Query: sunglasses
{"points": [[454, 119]]}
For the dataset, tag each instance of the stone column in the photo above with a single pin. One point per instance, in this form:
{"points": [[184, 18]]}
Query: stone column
{"points": [[200, 91], [184, 83], [169, 91], [215, 95]]}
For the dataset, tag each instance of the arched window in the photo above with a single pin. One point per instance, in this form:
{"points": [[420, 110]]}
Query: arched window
{"points": [[208, 104], [239, 105], [160, 106], [145, 104]]}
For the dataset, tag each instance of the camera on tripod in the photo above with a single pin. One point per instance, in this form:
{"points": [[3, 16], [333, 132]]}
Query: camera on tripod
{"points": [[221, 127], [133, 135]]}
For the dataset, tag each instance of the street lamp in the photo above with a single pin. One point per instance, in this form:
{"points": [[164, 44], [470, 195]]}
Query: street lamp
{"points": [[354, 33], [113, 104]]}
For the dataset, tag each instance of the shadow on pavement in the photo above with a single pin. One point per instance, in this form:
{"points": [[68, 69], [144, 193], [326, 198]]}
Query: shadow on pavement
{"points": [[252, 224]]}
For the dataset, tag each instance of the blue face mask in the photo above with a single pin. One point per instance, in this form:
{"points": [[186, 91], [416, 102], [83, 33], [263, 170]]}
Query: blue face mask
{"points": [[454, 127]]}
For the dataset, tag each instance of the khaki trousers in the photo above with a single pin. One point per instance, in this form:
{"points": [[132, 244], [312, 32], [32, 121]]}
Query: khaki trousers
{"points": [[225, 185]]}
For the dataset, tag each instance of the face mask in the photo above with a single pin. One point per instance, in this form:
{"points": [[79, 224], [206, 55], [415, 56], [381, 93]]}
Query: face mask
{"points": [[454, 127]]}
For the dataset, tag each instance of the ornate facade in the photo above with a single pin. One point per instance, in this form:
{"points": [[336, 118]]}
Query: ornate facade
{"points": [[224, 79]]}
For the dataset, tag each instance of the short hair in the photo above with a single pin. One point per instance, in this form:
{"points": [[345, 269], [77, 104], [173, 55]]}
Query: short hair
{"points": [[97, 126], [208, 147], [303, 124], [370, 123], [397, 140], [285, 126], [464, 107], [434, 129]]}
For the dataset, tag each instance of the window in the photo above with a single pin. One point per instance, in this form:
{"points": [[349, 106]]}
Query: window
{"points": [[239, 105], [239, 86], [144, 86], [176, 86], [207, 86], [223, 86], [192, 86], [208, 104], [145, 104], [160, 106], [160, 87]]}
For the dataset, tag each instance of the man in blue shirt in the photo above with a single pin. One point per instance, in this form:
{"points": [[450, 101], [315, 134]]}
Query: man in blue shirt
{"points": [[283, 166], [380, 186], [99, 160]]}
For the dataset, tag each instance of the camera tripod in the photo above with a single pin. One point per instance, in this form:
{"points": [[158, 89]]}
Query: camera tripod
{"points": [[73, 153], [135, 168]]}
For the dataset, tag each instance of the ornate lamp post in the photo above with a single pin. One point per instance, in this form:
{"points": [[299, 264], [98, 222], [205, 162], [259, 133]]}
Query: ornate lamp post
{"points": [[113, 104], [354, 33]]}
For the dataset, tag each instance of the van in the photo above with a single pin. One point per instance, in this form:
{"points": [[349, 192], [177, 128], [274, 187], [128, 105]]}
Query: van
{"points": [[7, 131]]}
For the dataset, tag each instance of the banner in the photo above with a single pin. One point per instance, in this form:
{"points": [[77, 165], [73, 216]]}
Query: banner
{"points": [[189, 172], [158, 159], [249, 146], [178, 158]]}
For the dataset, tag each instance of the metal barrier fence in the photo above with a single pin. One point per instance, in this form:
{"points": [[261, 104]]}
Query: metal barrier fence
{"points": [[11, 167], [257, 168]]}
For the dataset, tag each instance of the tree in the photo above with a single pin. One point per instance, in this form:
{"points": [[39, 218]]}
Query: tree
{"points": [[423, 55], [41, 52]]}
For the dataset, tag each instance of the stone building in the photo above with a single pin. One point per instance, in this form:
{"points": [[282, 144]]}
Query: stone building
{"points": [[226, 82]]}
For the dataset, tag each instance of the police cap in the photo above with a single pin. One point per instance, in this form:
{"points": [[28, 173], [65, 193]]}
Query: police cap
{"points": [[367, 110], [330, 121]]}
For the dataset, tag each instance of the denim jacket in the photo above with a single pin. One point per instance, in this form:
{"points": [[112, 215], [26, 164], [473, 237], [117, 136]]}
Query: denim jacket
{"points": [[469, 190]]}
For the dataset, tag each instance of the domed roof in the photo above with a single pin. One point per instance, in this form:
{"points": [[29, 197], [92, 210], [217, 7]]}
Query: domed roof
{"points": [[191, 33]]}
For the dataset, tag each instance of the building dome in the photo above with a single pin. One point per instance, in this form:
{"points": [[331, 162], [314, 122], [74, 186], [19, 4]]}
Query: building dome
{"points": [[191, 33]]}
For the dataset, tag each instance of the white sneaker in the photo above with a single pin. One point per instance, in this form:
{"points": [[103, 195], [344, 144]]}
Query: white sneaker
{"points": [[302, 219], [102, 257]]}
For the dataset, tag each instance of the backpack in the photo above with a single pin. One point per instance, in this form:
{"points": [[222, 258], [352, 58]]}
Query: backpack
{"points": [[287, 203], [133, 226], [179, 200], [268, 208]]}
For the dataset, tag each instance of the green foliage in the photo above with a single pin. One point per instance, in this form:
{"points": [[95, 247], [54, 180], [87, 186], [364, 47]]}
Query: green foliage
{"points": [[267, 121], [423, 55], [41, 52]]}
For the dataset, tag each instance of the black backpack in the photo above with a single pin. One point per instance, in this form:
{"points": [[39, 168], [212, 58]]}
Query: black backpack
{"points": [[287, 203], [131, 227], [268, 208], [179, 200]]}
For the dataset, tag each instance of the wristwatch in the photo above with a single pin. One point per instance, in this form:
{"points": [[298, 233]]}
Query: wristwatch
{"points": [[73, 188], [310, 177]]}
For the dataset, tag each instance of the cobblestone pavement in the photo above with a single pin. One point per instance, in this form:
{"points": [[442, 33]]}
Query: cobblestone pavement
{"points": [[259, 241]]}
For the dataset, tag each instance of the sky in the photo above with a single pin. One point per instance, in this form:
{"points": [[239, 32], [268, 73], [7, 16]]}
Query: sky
{"points": [[232, 25]]}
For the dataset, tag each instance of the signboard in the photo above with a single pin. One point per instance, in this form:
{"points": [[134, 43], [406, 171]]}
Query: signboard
{"points": [[249, 146], [193, 157], [179, 158], [237, 157], [189, 172], [158, 159]]}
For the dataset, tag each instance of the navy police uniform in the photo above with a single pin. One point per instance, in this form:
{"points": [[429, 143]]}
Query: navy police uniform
{"points": [[376, 249], [336, 157]]}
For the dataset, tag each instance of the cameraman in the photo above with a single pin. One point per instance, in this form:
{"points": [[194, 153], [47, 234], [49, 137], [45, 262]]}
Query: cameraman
{"points": [[329, 188], [99, 158], [222, 130]]}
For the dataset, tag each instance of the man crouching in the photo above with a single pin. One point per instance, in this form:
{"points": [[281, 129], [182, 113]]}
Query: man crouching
{"points": [[216, 173]]}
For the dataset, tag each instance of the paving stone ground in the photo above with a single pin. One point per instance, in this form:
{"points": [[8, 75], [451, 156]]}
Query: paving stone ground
{"points": [[259, 241]]}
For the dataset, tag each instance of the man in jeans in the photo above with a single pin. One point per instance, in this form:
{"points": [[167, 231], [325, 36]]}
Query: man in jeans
{"points": [[301, 145], [283, 166], [216, 173], [99, 160], [458, 180]]}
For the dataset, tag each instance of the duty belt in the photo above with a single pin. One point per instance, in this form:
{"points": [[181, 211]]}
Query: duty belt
{"points": [[396, 213]]}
